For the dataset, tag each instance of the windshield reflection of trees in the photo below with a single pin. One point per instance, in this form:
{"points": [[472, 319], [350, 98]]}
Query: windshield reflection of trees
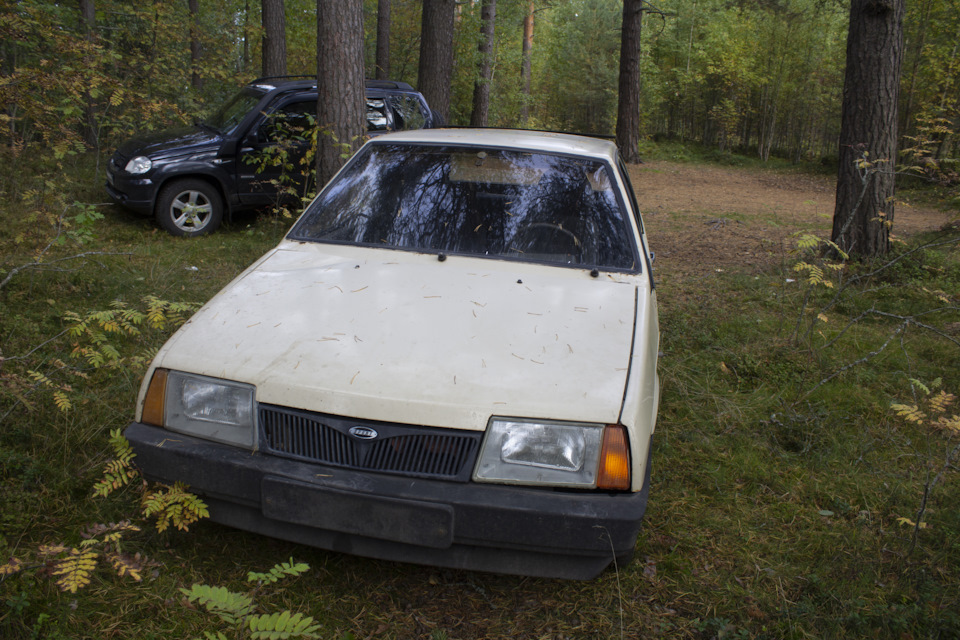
{"points": [[534, 206]]}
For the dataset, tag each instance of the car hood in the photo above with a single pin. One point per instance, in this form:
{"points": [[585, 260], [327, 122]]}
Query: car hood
{"points": [[403, 337], [171, 142]]}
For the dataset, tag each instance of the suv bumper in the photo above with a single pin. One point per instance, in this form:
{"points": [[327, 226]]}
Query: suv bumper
{"points": [[504, 529], [138, 198]]}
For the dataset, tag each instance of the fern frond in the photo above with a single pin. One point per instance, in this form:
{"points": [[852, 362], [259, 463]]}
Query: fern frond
{"points": [[910, 413], [40, 378], [278, 571], [51, 549], [13, 566], [808, 241], [126, 565], [174, 505], [62, 401], [950, 425], [228, 605], [941, 401], [75, 570], [285, 624], [919, 384]]}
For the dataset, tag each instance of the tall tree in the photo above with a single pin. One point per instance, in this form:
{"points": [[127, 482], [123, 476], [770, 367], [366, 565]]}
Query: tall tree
{"points": [[435, 72], [525, 55], [274, 50], [193, 6], [628, 103], [382, 62], [341, 105], [868, 127], [88, 26], [481, 87]]}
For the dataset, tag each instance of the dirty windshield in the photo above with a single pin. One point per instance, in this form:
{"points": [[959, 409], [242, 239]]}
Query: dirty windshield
{"points": [[473, 201], [231, 113]]}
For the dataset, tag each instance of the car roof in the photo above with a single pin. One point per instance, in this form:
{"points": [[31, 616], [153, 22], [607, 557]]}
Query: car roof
{"points": [[547, 141]]}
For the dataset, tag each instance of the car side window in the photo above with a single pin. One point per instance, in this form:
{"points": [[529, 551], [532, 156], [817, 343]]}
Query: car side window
{"points": [[377, 119], [408, 112], [290, 122]]}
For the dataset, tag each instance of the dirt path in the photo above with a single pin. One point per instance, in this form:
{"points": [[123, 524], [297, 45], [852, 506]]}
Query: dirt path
{"points": [[703, 218]]}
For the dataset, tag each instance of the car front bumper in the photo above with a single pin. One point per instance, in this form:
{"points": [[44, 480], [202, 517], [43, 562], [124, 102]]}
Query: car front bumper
{"points": [[485, 527], [135, 194]]}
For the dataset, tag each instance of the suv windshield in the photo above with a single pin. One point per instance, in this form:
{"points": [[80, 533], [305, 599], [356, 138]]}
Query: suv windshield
{"points": [[231, 114], [477, 201]]}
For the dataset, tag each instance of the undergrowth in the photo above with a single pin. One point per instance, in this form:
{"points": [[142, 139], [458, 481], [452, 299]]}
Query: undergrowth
{"points": [[804, 484]]}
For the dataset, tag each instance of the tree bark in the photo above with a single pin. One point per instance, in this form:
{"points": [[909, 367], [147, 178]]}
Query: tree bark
{"points": [[481, 88], [628, 104], [525, 55], [196, 51], [274, 47], [88, 26], [435, 71], [868, 128], [341, 105], [383, 40]]}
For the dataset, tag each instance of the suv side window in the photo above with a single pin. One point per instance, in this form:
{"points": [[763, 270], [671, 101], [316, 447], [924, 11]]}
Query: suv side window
{"points": [[408, 111], [289, 122], [377, 119]]}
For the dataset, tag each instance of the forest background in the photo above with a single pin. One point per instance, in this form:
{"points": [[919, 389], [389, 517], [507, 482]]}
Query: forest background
{"points": [[764, 77], [804, 482]]}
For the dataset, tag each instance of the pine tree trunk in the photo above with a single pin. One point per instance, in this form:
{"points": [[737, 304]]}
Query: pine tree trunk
{"points": [[341, 105], [868, 129], [435, 72], [481, 88], [383, 40], [88, 26], [525, 54], [628, 105], [274, 51]]}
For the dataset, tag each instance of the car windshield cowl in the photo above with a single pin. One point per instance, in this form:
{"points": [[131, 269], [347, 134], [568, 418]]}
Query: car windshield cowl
{"points": [[477, 201]]}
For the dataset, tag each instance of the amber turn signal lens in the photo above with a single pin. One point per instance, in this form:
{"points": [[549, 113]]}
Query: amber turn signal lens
{"points": [[614, 459], [153, 403]]}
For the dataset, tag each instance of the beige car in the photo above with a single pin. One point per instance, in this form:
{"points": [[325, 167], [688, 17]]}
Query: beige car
{"points": [[451, 359]]}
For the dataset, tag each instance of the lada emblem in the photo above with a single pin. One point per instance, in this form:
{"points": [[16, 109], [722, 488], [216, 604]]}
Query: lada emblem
{"points": [[364, 433]]}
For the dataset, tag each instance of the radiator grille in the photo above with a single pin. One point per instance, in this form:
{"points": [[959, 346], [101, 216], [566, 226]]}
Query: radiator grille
{"points": [[401, 449]]}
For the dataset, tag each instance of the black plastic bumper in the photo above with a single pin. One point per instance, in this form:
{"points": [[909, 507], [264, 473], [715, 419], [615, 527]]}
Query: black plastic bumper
{"points": [[516, 530], [138, 199]]}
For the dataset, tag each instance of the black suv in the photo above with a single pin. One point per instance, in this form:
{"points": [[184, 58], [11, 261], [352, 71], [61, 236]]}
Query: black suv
{"points": [[188, 178]]}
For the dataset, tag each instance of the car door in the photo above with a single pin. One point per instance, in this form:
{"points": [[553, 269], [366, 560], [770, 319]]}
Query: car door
{"points": [[274, 163]]}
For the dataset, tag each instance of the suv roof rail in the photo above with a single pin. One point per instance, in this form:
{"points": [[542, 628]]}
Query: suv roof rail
{"points": [[368, 82], [297, 77], [388, 84]]}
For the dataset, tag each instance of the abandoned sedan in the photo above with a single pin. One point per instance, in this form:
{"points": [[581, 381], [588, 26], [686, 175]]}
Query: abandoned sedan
{"points": [[449, 360]]}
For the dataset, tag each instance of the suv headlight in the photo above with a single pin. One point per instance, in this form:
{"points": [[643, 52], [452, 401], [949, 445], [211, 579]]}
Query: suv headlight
{"points": [[544, 452], [138, 165], [210, 408]]}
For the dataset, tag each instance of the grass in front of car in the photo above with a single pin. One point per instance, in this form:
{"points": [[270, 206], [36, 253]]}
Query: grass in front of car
{"points": [[774, 512]]}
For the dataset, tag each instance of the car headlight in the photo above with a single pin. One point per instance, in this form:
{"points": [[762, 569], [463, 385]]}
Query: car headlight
{"points": [[210, 408], [138, 165], [549, 453]]}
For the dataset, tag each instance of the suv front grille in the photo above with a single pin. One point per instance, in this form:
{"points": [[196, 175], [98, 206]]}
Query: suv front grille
{"points": [[401, 449]]}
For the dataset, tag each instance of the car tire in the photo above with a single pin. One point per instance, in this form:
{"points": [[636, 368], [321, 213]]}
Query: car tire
{"points": [[189, 208]]}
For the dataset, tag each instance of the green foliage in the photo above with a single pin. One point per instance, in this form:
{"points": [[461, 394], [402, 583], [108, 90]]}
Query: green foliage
{"points": [[278, 571], [237, 609], [174, 506], [119, 472]]}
